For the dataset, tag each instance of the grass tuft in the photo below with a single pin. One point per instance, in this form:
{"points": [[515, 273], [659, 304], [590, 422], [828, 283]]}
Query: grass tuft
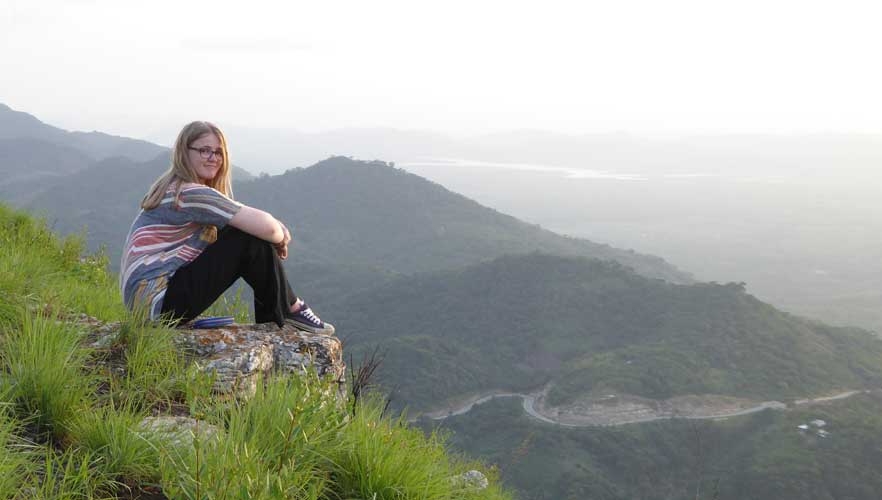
{"points": [[382, 458], [67, 475], [46, 367], [154, 364], [124, 451], [274, 445], [15, 455]]}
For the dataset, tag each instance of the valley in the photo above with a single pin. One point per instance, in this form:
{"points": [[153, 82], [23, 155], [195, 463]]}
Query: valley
{"points": [[584, 370]]}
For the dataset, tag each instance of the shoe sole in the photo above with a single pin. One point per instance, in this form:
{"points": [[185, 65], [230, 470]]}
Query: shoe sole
{"points": [[328, 330]]}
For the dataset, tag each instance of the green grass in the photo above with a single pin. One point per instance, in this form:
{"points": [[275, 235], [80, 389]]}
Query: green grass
{"points": [[38, 269], [123, 450], [15, 455], [69, 430], [67, 475], [154, 364], [42, 472], [46, 366], [272, 445], [381, 457]]}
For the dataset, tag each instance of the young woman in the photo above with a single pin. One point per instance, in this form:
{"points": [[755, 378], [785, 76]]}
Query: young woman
{"points": [[191, 241]]}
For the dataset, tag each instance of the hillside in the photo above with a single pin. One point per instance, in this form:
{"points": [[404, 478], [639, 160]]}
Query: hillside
{"points": [[373, 214], [25, 158], [102, 198], [80, 419], [591, 327]]}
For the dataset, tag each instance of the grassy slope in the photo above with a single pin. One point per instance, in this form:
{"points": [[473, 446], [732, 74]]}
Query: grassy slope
{"points": [[588, 326], [754, 457], [78, 420]]}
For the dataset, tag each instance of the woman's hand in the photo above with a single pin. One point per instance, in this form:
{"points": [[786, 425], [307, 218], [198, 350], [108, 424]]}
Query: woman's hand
{"points": [[282, 246]]}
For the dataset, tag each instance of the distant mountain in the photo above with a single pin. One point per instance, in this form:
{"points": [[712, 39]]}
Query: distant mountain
{"points": [[822, 156], [97, 145], [30, 158], [103, 199], [32, 150], [590, 328], [274, 151]]}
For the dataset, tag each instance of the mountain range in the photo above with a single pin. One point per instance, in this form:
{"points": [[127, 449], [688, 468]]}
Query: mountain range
{"points": [[34, 156], [461, 298], [368, 218], [588, 328]]}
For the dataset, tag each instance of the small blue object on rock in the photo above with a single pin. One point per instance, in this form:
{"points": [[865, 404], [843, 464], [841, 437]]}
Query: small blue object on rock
{"points": [[212, 322]]}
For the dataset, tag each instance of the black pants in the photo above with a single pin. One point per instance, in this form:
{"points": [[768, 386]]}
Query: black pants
{"points": [[234, 255]]}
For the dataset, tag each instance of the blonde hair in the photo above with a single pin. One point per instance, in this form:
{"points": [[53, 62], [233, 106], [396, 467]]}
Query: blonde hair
{"points": [[181, 170]]}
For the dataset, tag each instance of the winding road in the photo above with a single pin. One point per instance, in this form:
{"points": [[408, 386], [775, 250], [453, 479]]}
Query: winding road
{"points": [[529, 404]]}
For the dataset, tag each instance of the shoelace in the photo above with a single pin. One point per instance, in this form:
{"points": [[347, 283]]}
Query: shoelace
{"points": [[310, 316]]}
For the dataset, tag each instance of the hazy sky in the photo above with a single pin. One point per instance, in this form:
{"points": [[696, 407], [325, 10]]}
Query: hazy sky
{"points": [[456, 66]]}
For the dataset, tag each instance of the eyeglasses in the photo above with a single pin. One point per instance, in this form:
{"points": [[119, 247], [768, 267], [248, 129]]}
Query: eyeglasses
{"points": [[206, 153]]}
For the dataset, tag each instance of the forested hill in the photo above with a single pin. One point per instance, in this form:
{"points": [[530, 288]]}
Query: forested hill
{"points": [[594, 327], [355, 223], [26, 158], [371, 214]]}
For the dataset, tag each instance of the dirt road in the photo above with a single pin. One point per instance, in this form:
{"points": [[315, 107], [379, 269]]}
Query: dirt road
{"points": [[630, 409]]}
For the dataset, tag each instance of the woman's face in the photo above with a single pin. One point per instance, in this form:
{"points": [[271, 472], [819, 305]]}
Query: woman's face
{"points": [[206, 168]]}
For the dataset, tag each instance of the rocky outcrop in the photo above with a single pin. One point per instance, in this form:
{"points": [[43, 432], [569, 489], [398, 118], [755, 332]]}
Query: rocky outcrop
{"points": [[238, 355]]}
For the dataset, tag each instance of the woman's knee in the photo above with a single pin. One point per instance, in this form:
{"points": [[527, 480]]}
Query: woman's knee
{"points": [[244, 244], [234, 233]]}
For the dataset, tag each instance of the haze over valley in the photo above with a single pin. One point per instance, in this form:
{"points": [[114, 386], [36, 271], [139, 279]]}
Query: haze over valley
{"points": [[794, 216], [804, 232]]}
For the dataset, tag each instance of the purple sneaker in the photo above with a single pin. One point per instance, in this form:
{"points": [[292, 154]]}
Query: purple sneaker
{"points": [[305, 319]]}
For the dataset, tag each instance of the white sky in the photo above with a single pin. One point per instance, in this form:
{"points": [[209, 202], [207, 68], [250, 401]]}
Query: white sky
{"points": [[455, 66]]}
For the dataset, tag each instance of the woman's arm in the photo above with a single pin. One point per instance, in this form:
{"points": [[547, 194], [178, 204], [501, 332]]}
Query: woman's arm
{"points": [[259, 223]]}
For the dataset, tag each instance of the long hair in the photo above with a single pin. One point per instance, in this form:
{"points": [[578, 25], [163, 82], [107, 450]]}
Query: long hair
{"points": [[181, 170]]}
